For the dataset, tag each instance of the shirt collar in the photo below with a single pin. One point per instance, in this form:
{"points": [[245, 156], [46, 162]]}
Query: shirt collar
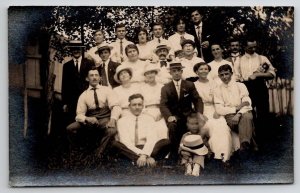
{"points": [[251, 56], [235, 55], [200, 25], [90, 87], [175, 82], [78, 59], [119, 40]]}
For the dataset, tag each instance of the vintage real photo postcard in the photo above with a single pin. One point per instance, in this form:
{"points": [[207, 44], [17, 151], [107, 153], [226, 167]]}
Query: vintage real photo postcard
{"points": [[150, 95]]}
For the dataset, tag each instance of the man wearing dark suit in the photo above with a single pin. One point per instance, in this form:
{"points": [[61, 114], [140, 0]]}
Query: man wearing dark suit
{"points": [[178, 99], [108, 68], [202, 35], [73, 79]]}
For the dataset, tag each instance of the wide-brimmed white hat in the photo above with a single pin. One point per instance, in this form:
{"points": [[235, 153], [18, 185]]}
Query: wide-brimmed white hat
{"points": [[161, 46], [151, 67], [194, 143], [119, 69]]}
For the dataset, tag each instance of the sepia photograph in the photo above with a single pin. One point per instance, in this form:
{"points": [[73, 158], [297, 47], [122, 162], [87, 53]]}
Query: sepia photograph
{"points": [[150, 95]]}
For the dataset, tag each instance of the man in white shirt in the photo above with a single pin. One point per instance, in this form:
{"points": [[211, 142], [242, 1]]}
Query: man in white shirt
{"points": [[158, 31], [232, 101], [162, 52], [137, 138], [254, 70], [118, 53], [235, 55], [97, 112]]}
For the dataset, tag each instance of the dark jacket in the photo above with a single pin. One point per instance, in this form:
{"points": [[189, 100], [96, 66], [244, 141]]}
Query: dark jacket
{"points": [[171, 106], [74, 82], [112, 66]]}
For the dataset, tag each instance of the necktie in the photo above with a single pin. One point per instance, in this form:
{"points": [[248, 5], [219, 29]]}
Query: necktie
{"points": [[121, 50], [178, 89], [76, 65], [159, 40], [136, 134], [96, 98], [234, 58], [200, 41], [163, 63], [103, 76]]}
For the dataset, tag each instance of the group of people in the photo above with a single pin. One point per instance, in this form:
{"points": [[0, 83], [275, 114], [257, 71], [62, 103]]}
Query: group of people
{"points": [[166, 99]]}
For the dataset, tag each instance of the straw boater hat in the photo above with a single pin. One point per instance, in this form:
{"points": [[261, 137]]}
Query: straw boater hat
{"points": [[161, 46], [194, 144], [175, 64], [75, 44], [151, 67], [119, 69], [104, 47]]}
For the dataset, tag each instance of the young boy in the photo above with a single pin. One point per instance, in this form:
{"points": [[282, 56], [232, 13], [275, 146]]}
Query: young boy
{"points": [[192, 148]]}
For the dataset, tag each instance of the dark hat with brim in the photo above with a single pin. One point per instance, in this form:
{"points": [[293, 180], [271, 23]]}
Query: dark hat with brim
{"points": [[75, 44], [175, 65], [103, 47]]}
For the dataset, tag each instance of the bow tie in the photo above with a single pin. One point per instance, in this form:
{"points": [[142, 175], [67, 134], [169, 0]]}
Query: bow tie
{"points": [[163, 63]]}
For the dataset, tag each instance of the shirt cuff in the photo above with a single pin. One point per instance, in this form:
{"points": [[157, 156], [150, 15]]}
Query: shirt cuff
{"points": [[80, 118]]}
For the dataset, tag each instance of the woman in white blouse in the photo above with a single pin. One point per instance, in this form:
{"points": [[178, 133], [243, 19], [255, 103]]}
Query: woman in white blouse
{"points": [[145, 51], [151, 90], [123, 76], [221, 140]]}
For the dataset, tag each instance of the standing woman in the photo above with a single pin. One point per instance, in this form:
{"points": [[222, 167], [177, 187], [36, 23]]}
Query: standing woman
{"points": [[145, 52], [99, 41], [151, 90], [123, 76], [216, 128]]}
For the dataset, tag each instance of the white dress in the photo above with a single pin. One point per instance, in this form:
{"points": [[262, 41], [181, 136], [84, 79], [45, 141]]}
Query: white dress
{"points": [[219, 133], [151, 101], [123, 95]]}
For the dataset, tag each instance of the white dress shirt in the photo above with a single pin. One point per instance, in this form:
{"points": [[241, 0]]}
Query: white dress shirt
{"points": [[228, 96], [105, 96], [115, 53], [250, 63], [146, 133], [177, 86]]}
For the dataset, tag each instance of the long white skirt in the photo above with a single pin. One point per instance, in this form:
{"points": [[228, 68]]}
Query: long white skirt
{"points": [[222, 140]]}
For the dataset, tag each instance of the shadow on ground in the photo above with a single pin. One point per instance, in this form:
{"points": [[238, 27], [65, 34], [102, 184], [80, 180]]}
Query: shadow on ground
{"points": [[41, 160]]}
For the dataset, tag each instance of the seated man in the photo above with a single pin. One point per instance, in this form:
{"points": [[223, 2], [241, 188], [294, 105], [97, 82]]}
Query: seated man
{"points": [[97, 112], [137, 138], [232, 100]]}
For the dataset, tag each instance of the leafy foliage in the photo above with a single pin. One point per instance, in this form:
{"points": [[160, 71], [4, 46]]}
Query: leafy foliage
{"points": [[273, 27]]}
